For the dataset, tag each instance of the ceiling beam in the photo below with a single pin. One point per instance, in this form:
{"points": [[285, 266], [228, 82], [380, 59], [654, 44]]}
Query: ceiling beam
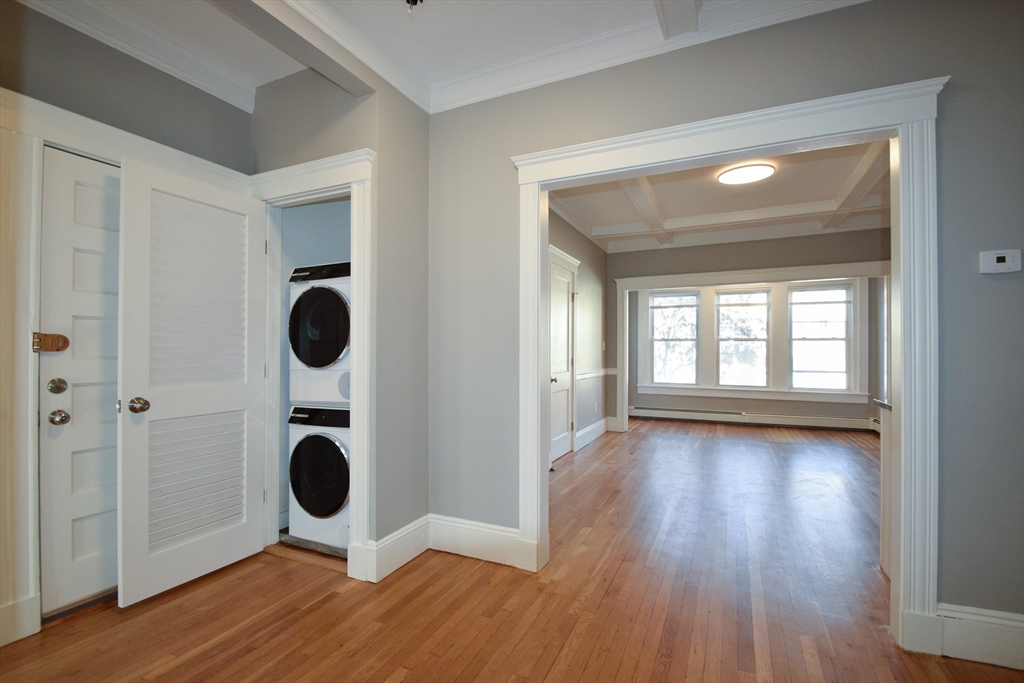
{"points": [[865, 176], [289, 41], [677, 17], [556, 204], [642, 195]]}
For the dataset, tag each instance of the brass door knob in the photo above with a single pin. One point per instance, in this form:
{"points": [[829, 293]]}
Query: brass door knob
{"points": [[138, 405], [59, 417]]}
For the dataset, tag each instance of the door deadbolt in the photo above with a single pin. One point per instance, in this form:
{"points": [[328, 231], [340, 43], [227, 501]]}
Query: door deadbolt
{"points": [[59, 417], [57, 385], [138, 405]]}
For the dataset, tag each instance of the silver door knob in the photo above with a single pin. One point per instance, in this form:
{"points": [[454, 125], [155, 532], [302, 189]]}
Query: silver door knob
{"points": [[554, 380], [57, 385], [59, 417], [138, 405]]}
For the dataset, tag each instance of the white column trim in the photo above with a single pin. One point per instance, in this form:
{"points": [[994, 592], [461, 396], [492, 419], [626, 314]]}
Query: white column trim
{"points": [[905, 113]]}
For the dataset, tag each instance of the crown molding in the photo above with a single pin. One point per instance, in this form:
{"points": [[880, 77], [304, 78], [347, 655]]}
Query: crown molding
{"points": [[346, 30], [340, 24], [151, 48], [610, 49]]}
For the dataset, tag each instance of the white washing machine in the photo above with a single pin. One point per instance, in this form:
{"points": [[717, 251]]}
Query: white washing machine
{"points": [[318, 467], [318, 334]]}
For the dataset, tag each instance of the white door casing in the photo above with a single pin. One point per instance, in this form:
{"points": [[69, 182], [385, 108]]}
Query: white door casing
{"points": [[78, 298], [26, 126], [905, 114], [193, 344], [562, 295]]}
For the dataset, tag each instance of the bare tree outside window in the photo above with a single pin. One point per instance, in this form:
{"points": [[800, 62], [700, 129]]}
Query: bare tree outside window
{"points": [[743, 338], [674, 337]]}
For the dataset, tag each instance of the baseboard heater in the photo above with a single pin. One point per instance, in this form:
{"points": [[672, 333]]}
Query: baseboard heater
{"points": [[738, 417]]}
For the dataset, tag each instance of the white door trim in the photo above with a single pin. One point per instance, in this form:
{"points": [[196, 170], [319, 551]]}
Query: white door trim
{"points": [[33, 124], [905, 113], [345, 175], [571, 264]]}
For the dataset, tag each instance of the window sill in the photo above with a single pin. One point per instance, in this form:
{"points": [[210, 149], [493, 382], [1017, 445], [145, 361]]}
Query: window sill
{"points": [[737, 392]]}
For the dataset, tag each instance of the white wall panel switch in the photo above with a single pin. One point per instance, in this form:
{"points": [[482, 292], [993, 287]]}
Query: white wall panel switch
{"points": [[1000, 261]]}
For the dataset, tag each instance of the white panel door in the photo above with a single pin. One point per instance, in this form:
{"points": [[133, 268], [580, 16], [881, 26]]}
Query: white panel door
{"points": [[192, 341], [562, 288], [78, 458]]}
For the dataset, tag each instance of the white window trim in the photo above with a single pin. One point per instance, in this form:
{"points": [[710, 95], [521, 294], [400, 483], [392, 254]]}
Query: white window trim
{"points": [[779, 344]]}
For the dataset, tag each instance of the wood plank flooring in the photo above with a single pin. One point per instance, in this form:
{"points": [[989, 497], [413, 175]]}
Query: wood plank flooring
{"points": [[680, 552]]}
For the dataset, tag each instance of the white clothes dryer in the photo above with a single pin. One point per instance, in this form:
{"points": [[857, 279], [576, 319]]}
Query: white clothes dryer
{"points": [[318, 467], [318, 334]]}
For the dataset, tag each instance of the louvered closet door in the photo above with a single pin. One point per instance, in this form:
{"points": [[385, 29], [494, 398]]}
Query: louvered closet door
{"points": [[192, 344]]}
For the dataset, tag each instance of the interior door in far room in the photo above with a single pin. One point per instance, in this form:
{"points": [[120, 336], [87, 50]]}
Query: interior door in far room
{"points": [[193, 347], [78, 386], [563, 287]]}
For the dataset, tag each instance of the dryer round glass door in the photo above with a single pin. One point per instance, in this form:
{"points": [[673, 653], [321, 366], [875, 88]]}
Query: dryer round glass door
{"points": [[319, 475], [318, 327]]}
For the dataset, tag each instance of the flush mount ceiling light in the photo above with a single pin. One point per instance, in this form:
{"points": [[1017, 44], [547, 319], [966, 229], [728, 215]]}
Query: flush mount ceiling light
{"points": [[750, 173]]}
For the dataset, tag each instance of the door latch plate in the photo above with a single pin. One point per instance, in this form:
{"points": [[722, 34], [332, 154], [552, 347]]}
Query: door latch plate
{"points": [[49, 342]]}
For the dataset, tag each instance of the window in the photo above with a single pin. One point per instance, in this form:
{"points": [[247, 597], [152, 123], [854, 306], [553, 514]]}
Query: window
{"points": [[743, 338], [797, 340], [819, 337], [674, 337]]}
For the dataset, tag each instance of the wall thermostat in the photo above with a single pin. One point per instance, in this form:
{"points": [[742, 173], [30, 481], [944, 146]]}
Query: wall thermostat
{"points": [[1000, 261]]}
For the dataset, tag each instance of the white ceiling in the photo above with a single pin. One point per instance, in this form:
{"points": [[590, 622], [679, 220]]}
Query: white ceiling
{"points": [[445, 54], [835, 189]]}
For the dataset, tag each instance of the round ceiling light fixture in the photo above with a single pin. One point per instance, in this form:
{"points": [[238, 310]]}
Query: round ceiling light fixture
{"points": [[748, 173]]}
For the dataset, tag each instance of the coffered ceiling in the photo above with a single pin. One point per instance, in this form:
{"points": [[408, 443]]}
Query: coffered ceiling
{"points": [[442, 55], [835, 189]]}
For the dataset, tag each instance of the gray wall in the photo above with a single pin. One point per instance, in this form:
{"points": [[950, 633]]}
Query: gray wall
{"points": [[304, 117], [814, 250], [310, 235], [46, 60], [474, 248], [590, 317]]}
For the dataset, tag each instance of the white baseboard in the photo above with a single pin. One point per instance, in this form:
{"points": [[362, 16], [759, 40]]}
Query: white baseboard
{"points": [[394, 550], [483, 541], [972, 633], [588, 435], [377, 559], [20, 619], [756, 418]]}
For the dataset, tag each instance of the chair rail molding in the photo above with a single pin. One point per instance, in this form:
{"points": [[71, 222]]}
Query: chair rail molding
{"points": [[902, 114]]}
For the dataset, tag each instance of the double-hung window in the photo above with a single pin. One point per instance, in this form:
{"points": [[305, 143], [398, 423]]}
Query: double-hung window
{"points": [[743, 338], [797, 340], [820, 337], [673, 325]]}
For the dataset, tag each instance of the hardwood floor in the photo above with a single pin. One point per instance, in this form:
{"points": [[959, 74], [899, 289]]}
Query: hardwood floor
{"points": [[680, 552]]}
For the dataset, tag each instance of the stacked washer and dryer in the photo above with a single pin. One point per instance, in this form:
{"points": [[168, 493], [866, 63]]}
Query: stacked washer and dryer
{"points": [[318, 334]]}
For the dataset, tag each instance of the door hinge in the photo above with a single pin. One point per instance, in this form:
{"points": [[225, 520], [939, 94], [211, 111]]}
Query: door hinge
{"points": [[49, 342], [266, 247], [264, 495], [264, 371]]}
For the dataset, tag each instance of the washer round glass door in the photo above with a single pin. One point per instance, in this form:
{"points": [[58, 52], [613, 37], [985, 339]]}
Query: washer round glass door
{"points": [[319, 475], [318, 327]]}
